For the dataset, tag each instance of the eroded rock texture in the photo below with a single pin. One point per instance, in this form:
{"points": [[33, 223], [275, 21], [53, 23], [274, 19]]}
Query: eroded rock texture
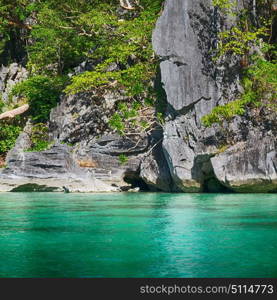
{"points": [[82, 121], [250, 163], [183, 156], [184, 38], [9, 76], [50, 170]]}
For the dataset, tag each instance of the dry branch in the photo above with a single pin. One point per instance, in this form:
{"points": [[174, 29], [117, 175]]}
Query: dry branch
{"points": [[126, 4], [12, 113]]}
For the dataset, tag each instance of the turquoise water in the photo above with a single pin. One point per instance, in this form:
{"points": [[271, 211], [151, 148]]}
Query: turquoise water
{"points": [[138, 235]]}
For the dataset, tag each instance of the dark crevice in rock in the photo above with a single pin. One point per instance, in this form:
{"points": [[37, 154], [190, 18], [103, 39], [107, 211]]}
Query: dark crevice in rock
{"points": [[161, 102], [213, 185], [179, 64], [173, 113], [274, 166], [134, 179], [203, 171], [186, 109], [174, 59]]}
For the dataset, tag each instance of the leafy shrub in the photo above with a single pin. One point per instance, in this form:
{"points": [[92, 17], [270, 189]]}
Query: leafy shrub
{"points": [[239, 42], [2, 105], [260, 75], [260, 87], [39, 138], [123, 159], [42, 93], [67, 33], [125, 43], [225, 5], [8, 136]]}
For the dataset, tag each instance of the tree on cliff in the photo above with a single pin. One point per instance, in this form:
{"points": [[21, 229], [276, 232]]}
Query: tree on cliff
{"points": [[113, 35], [254, 41]]}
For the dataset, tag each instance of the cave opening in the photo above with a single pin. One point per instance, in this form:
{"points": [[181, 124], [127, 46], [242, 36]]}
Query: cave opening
{"points": [[213, 185], [133, 179], [204, 172]]}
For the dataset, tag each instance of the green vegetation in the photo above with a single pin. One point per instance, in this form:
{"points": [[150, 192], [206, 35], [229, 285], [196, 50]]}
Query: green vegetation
{"points": [[42, 93], [57, 35], [39, 138], [259, 68], [224, 5], [132, 116], [8, 136], [224, 112], [260, 86], [2, 105], [126, 44], [239, 42], [123, 159]]}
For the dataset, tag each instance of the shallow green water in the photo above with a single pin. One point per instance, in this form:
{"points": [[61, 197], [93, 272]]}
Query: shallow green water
{"points": [[138, 235]]}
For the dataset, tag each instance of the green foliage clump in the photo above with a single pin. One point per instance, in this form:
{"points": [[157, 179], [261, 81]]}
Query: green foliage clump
{"points": [[133, 117], [262, 78], [90, 81], [39, 138], [260, 87], [260, 69], [125, 43], [58, 35], [239, 39], [239, 42], [124, 113], [12, 14], [224, 112], [67, 32], [123, 159], [225, 5], [134, 80], [42, 93], [8, 136], [57, 46]]}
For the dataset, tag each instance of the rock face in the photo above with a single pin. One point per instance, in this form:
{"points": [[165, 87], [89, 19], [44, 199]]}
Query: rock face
{"points": [[239, 156], [250, 164], [9, 76], [49, 170], [184, 38], [85, 155], [82, 121], [155, 172]]}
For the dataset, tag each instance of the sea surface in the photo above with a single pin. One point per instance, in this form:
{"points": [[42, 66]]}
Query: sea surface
{"points": [[138, 235]]}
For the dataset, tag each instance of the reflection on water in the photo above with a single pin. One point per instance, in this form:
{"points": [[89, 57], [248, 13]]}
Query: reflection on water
{"points": [[138, 235]]}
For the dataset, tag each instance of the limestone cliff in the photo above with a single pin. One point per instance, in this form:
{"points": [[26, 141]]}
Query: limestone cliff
{"points": [[183, 156], [184, 38]]}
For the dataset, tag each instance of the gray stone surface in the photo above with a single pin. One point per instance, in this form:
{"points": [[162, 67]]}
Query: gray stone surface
{"points": [[85, 149], [51, 169], [9, 76], [54, 162], [82, 121], [250, 163], [48, 170], [238, 156], [154, 171], [184, 38]]}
